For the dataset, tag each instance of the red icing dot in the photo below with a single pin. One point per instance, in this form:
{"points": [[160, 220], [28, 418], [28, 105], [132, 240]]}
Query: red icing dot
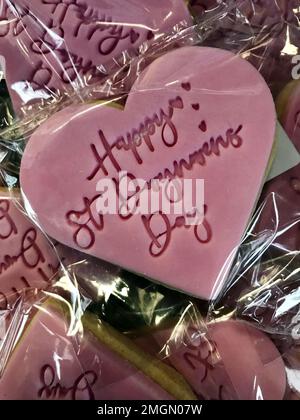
{"points": [[203, 126], [186, 86]]}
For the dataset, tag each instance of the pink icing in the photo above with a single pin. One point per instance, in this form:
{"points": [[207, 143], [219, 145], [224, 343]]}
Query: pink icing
{"points": [[213, 118], [49, 44], [231, 361], [56, 365], [27, 260]]}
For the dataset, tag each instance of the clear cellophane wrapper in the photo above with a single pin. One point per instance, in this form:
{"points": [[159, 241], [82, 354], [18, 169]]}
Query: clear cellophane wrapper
{"points": [[86, 329]]}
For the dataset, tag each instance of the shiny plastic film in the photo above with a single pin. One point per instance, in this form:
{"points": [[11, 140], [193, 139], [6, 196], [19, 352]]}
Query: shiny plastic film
{"points": [[52, 47], [149, 206]]}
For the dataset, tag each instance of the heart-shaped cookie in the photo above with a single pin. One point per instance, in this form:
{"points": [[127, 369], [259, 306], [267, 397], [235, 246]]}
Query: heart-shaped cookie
{"points": [[99, 364], [194, 113], [27, 261], [50, 44], [232, 361]]}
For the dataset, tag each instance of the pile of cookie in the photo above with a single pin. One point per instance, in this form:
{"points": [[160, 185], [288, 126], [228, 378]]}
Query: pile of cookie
{"points": [[162, 293]]}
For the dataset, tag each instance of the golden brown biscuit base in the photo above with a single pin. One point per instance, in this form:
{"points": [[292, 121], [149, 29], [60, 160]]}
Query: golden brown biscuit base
{"points": [[14, 192], [111, 103], [165, 376], [283, 98]]}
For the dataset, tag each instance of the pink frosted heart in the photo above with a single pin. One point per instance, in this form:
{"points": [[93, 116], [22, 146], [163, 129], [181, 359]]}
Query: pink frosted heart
{"points": [[231, 361], [49, 44], [202, 113], [58, 366], [27, 260]]}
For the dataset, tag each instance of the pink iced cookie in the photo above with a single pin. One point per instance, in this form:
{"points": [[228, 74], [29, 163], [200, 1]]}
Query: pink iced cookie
{"points": [[49, 44], [58, 366], [181, 120], [286, 187], [231, 361], [27, 260]]}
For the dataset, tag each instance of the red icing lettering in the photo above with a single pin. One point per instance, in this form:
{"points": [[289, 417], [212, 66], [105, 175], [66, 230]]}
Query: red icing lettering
{"points": [[84, 236], [134, 139], [7, 225], [161, 240], [52, 389], [85, 221]]}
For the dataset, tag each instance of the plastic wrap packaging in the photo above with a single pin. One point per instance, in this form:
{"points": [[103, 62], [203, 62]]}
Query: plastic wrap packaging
{"points": [[202, 304], [44, 43]]}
